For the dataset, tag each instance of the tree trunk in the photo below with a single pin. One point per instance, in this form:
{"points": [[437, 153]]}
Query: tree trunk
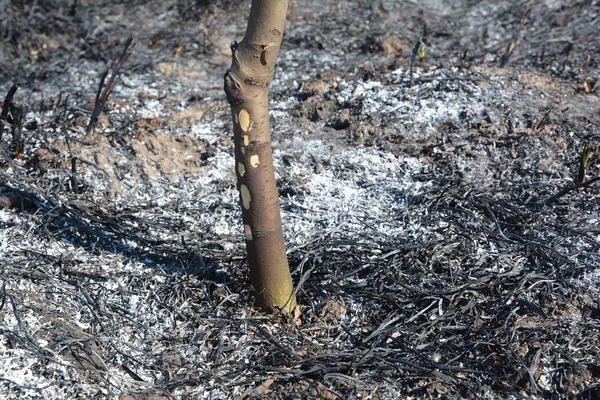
{"points": [[246, 86]]}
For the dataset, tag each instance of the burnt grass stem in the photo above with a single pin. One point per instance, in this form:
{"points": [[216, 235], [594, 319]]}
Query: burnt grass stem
{"points": [[102, 94]]}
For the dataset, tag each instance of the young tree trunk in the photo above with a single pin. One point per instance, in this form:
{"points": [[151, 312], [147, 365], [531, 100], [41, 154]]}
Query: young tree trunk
{"points": [[246, 86]]}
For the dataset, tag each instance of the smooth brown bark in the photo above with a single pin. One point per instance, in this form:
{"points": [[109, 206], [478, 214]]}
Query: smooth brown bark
{"points": [[246, 86]]}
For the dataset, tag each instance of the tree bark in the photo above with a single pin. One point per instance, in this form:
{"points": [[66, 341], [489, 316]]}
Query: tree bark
{"points": [[246, 86]]}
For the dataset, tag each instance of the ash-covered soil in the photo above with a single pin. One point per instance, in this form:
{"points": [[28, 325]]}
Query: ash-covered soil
{"points": [[439, 242]]}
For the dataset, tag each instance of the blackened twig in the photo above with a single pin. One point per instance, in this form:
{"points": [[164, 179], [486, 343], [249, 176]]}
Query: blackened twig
{"points": [[413, 58], [22, 326], [3, 295], [8, 105], [102, 95], [98, 104], [91, 164], [566, 190], [17, 130], [73, 166]]}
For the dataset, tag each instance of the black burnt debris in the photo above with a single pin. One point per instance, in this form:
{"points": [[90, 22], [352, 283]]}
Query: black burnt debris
{"points": [[442, 225]]}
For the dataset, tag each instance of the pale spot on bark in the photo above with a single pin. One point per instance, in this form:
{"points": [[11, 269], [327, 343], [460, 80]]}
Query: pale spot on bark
{"points": [[243, 150], [245, 193], [248, 232], [241, 169], [263, 53], [254, 161], [244, 120], [235, 119], [246, 140]]}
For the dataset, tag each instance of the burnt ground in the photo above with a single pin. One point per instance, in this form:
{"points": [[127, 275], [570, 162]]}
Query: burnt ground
{"points": [[439, 243]]}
